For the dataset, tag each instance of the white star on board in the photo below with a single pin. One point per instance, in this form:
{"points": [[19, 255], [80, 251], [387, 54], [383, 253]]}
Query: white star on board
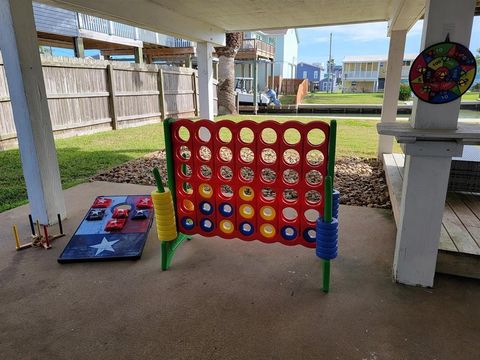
{"points": [[105, 245]]}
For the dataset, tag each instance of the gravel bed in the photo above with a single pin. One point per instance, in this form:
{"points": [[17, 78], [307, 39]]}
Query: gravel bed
{"points": [[361, 181]]}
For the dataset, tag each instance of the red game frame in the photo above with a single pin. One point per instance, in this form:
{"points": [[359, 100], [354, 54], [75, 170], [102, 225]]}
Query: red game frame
{"points": [[305, 228]]}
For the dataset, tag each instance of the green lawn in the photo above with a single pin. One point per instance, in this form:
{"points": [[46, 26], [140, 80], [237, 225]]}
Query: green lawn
{"points": [[287, 99], [354, 137], [83, 156], [366, 98], [336, 98], [79, 158]]}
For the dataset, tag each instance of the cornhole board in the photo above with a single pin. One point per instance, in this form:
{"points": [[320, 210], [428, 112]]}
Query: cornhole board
{"points": [[92, 242]]}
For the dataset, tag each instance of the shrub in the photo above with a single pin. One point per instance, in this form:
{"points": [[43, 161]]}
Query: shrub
{"points": [[405, 92]]}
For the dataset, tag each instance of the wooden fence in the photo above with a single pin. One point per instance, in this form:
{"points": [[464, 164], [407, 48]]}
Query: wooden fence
{"points": [[86, 96], [297, 87], [302, 90]]}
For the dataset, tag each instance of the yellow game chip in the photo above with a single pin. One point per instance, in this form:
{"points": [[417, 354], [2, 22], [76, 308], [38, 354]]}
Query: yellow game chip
{"points": [[226, 226], [205, 191], [267, 230], [246, 211], [267, 213], [246, 193]]}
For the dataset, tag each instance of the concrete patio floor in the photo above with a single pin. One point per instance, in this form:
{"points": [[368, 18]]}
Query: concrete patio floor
{"points": [[228, 299]]}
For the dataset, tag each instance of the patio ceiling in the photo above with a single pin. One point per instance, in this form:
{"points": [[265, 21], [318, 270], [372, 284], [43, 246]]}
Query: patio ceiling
{"points": [[208, 20]]}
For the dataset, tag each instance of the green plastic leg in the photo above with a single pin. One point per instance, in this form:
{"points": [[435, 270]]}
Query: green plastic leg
{"points": [[326, 276], [164, 255], [169, 247]]}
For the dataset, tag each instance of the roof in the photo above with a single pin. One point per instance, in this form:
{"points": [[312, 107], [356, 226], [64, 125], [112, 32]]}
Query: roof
{"points": [[373, 58], [274, 31], [208, 20], [279, 32], [301, 63]]}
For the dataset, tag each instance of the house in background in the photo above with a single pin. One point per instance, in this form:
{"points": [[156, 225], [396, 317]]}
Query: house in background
{"points": [[332, 81], [257, 49], [77, 32], [274, 52], [286, 52], [367, 73], [311, 72]]}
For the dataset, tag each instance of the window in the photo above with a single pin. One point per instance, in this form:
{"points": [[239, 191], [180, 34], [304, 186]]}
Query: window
{"points": [[315, 74], [304, 74]]}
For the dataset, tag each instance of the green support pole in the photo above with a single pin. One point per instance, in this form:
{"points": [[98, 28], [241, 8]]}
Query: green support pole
{"points": [[169, 247], [165, 252], [167, 129], [327, 217], [328, 195], [158, 180], [331, 150]]}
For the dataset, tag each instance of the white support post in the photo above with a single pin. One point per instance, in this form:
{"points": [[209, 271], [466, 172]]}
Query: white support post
{"points": [[205, 79], [18, 41], [255, 87], [392, 87], [426, 177]]}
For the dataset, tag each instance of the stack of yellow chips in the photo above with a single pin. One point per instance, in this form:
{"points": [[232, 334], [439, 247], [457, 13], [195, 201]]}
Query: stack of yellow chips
{"points": [[164, 215]]}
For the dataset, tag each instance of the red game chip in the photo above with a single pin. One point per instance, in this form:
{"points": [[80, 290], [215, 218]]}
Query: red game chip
{"points": [[115, 225], [101, 202], [144, 203], [120, 213]]}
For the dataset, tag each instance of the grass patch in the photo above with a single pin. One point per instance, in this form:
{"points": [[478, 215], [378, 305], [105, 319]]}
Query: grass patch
{"points": [[355, 137], [336, 98], [470, 96], [83, 156], [364, 98], [287, 99], [79, 158]]}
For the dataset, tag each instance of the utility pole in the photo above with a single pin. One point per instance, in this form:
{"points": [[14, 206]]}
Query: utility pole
{"points": [[329, 69]]}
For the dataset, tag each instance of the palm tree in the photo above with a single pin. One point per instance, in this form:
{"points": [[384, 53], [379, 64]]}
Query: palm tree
{"points": [[226, 73]]}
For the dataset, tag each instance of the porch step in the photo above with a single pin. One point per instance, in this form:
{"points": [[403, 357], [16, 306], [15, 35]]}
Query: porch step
{"points": [[459, 247]]}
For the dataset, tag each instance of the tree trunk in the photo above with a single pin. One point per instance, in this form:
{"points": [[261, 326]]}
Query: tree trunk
{"points": [[226, 73], [226, 85]]}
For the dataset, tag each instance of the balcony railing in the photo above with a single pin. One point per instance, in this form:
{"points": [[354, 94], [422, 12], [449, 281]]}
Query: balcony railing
{"points": [[258, 46], [93, 23], [361, 75], [176, 42], [371, 75]]}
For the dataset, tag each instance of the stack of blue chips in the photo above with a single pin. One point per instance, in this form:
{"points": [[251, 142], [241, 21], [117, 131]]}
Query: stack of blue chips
{"points": [[327, 239]]}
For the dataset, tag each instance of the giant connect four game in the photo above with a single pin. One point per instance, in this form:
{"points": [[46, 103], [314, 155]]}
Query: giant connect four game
{"points": [[250, 180]]}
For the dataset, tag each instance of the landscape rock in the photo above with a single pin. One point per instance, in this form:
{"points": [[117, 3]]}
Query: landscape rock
{"points": [[361, 181]]}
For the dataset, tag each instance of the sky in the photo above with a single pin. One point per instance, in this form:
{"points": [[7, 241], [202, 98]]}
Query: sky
{"points": [[361, 39], [357, 39]]}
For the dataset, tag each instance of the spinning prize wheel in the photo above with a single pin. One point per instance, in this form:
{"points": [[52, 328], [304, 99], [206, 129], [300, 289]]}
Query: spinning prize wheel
{"points": [[442, 72]]}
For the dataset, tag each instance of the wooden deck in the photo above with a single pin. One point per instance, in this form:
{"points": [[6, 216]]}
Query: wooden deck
{"points": [[459, 248]]}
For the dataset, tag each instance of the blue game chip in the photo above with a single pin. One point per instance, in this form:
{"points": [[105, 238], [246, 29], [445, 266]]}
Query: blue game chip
{"points": [[310, 234], [206, 208], [289, 232], [188, 223], [226, 209], [246, 228], [206, 225]]}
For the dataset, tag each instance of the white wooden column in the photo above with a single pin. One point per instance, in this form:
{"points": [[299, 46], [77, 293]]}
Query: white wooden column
{"points": [[392, 87], [205, 79], [18, 41], [426, 176]]}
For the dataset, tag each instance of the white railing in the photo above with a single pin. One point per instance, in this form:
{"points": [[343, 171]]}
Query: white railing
{"points": [[123, 30], [361, 75], [176, 42], [93, 23]]}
